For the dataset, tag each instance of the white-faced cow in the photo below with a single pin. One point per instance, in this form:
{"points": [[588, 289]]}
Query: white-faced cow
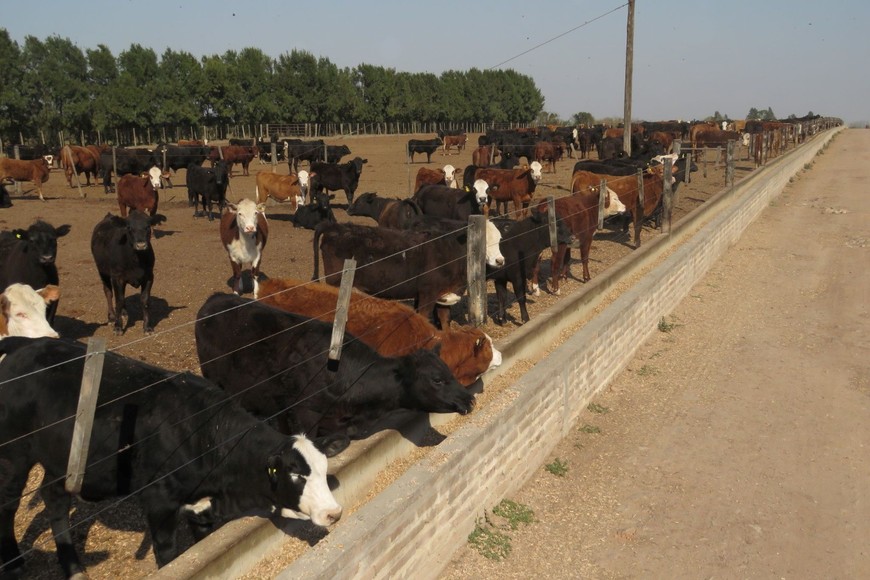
{"points": [[182, 463], [244, 231], [22, 311]]}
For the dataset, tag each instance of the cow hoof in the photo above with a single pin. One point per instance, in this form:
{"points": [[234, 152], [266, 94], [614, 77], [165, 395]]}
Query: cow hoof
{"points": [[148, 329], [118, 331], [536, 290]]}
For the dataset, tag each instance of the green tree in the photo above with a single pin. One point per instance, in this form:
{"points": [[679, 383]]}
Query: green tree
{"points": [[13, 103], [182, 84], [254, 74], [102, 73], [583, 118], [134, 92]]}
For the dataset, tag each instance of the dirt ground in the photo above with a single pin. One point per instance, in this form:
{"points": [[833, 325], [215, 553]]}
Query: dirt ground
{"points": [[735, 445], [191, 264]]}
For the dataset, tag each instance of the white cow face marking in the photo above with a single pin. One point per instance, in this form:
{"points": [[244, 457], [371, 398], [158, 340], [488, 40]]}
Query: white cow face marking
{"points": [[316, 502], [496, 355], [616, 206], [450, 175], [246, 215], [536, 168], [23, 309], [480, 192], [494, 256], [154, 175]]}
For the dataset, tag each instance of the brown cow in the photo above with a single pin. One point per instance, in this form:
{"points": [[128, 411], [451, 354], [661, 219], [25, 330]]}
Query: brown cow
{"points": [[426, 176], [391, 328], [192, 142], [291, 188], [233, 154], [78, 160], [484, 156], [546, 154], [35, 171], [136, 192], [451, 140], [579, 211], [516, 185]]}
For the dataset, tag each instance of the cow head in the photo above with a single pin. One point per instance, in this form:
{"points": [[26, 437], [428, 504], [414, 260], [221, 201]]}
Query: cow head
{"points": [[494, 256], [42, 239], [246, 215], [156, 175], [365, 205], [428, 385], [612, 204], [304, 181], [358, 163], [297, 477], [480, 189], [221, 173], [139, 226], [536, 168], [450, 175], [22, 311]]}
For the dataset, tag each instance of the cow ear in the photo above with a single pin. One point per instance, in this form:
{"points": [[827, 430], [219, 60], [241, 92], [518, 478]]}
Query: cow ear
{"points": [[20, 234], [50, 293], [63, 230]]}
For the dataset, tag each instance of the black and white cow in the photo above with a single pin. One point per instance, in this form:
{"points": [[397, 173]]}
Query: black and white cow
{"points": [[277, 362], [180, 445], [28, 257], [123, 254]]}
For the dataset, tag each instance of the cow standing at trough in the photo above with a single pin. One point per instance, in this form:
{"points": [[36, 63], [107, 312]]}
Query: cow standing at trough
{"points": [[29, 257], [23, 311], [277, 362], [451, 203], [156, 442], [124, 255], [332, 177], [244, 231], [136, 192], [35, 171], [391, 328], [514, 185], [209, 185]]}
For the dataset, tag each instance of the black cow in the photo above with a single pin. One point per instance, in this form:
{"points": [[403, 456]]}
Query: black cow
{"points": [[420, 265], [610, 147], [278, 363], [448, 202], [180, 156], [297, 150], [389, 213], [334, 153], [314, 212], [178, 444], [264, 149], [128, 161], [31, 152], [427, 146], [209, 183], [28, 257], [332, 177], [243, 142], [123, 254], [5, 199], [521, 245]]}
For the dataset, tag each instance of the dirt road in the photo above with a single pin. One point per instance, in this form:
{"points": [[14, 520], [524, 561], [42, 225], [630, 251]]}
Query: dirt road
{"points": [[737, 442]]}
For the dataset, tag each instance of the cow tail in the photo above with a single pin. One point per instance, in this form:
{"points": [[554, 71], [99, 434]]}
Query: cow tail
{"points": [[318, 230]]}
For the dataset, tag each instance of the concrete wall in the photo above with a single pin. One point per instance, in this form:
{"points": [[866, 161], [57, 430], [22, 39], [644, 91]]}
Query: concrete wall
{"points": [[413, 527]]}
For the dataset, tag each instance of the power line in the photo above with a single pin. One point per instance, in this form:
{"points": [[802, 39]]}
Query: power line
{"points": [[559, 36]]}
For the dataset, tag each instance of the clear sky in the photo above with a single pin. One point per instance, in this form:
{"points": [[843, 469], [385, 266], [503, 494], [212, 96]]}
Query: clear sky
{"points": [[691, 57]]}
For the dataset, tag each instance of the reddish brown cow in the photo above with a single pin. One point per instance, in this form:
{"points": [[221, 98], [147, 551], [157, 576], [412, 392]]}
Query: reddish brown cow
{"points": [[579, 211], [191, 143], [233, 154], [665, 139], [35, 171], [391, 328], [516, 185], [483, 156], [545, 154], [136, 192], [457, 140], [78, 160], [244, 231]]}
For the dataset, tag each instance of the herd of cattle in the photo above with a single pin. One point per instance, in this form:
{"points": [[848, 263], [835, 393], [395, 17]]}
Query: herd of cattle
{"points": [[228, 443]]}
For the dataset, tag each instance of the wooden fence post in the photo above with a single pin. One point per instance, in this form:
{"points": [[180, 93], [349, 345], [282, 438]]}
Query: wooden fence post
{"points": [[274, 157], [640, 199], [17, 154], [729, 164], [668, 191], [69, 158], [341, 308], [602, 191], [90, 388], [476, 265]]}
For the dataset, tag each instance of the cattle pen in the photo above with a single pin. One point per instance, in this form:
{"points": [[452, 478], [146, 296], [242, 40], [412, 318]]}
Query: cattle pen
{"points": [[487, 459], [190, 277]]}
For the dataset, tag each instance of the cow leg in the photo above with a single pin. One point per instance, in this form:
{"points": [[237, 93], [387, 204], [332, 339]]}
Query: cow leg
{"points": [[107, 290], [57, 506], [519, 286], [10, 498], [237, 276], [145, 300], [118, 289], [501, 296], [557, 263]]}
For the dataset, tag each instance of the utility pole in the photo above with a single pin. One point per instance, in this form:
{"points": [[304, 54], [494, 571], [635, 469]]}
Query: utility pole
{"points": [[629, 64]]}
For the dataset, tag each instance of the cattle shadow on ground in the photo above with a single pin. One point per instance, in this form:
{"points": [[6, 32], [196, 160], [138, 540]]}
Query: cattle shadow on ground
{"points": [[74, 328], [163, 233], [158, 311]]}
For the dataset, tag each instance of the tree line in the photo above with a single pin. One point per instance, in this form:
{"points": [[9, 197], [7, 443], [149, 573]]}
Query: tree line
{"points": [[51, 86]]}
